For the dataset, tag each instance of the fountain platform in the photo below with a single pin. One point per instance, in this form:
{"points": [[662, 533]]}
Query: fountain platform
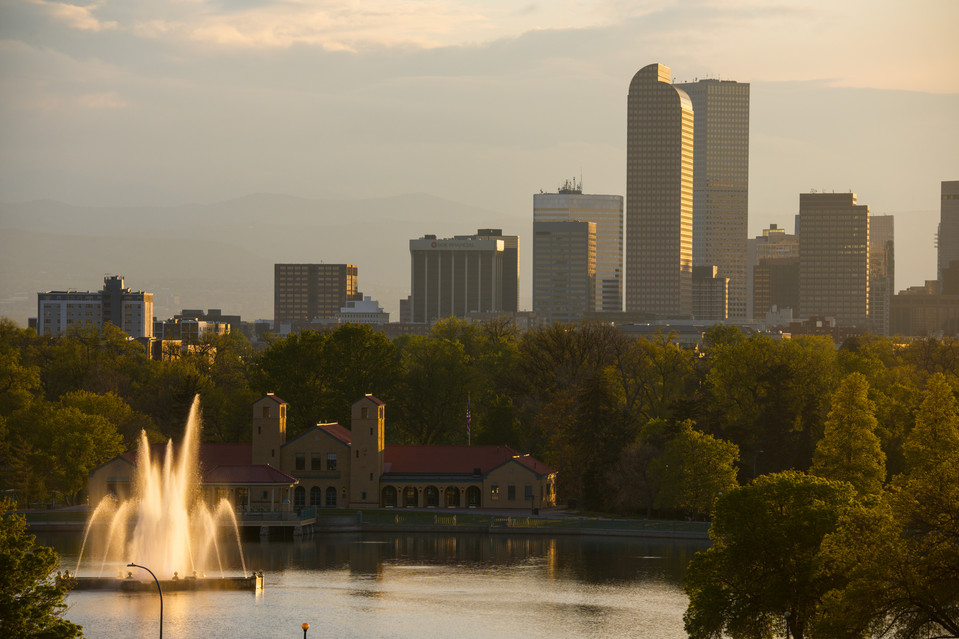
{"points": [[252, 583]]}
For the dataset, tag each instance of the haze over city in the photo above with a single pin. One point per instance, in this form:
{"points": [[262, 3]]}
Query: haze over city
{"points": [[192, 104]]}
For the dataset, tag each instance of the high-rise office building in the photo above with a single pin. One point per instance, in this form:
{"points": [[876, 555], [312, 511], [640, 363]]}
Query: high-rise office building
{"points": [[564, 270], [464, 274], [721, 181], [659, 196], [882, 271], [130, 311], [710, 293], [304, 292], [606, 211], [772, 275], [834, 258], [948, 236]]}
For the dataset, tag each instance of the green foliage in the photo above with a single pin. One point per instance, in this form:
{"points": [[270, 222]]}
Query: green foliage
{"points": [[696, 469], [764, 563], [849, 449], [31, 602]]}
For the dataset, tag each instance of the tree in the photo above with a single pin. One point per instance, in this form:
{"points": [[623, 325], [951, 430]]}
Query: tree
{"points": [[849, 450], [696, 469], [31, 602], [900, 553], [762, 573]]}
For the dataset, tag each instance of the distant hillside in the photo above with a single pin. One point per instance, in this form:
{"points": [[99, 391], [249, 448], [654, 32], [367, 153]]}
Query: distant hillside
{"points": [[220, 255]]}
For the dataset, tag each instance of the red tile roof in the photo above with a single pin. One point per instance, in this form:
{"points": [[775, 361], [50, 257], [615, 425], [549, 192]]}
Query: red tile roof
{"points": [[335, 430], [211, 455], [454, 460], [378, 402], [261, 474], [273, 397]]}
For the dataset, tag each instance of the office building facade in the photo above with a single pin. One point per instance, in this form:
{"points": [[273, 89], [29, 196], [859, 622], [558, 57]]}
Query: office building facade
{"points": [[834, 258], [710, 293], [130, 311], [772, 274], [721, 182], [947, 239], [305, 292], [606, 212], [659, 196], [464, 274], [882, 271], [564, 270]]}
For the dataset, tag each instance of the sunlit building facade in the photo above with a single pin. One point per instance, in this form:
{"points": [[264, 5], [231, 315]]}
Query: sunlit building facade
{"points": [[659, 196], [304, 292], [721, 182], [564, 270], [131, 311]]}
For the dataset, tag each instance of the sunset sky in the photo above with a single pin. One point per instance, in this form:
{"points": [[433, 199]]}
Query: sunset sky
{"points": [[483, 102]]}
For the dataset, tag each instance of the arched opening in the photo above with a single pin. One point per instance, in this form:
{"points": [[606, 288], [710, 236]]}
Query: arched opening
{"points": [[316, 496], [452, 497], [473, 497], [410, 497], [431, 497], [331, 497], [299, 498], [389, 496]]}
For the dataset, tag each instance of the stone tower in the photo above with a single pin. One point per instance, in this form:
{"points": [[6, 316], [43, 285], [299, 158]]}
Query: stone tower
{"points": [[366, 449], [269, 429]]}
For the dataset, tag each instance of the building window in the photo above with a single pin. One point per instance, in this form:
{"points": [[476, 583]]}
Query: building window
{"points": [[364, 413], [528, 493], [494, 492], [363, 495], [331, 461], [300, 461], [316, 461], [330, 497], [316, 496], [357, 454], [299, 498], [266, 412], [511, 492]]}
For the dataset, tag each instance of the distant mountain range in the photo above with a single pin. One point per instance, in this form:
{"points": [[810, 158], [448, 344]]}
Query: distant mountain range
{"points": [[221, 255]]}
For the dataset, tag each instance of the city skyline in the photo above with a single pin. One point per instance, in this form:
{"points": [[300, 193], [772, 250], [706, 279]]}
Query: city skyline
{"points": [[135, 105]]}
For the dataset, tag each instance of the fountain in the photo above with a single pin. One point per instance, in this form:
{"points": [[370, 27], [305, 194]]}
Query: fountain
{"points": [[165, 526]]}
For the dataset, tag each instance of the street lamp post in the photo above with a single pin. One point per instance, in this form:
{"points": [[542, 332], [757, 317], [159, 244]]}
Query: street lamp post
{"points": [[158, 590], [305, 627]]}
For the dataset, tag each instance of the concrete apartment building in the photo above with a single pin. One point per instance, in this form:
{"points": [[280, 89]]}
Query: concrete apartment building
{"points": [[834, 258], [130, 311], [721, 182], [305, 292], [659, 196], [564, 270], [465, 274], [606, 212]]}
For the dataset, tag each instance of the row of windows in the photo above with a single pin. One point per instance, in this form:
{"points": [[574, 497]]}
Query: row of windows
{"points": [[316, 461]]}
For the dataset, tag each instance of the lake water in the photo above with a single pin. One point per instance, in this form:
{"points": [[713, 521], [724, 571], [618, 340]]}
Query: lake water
{"points": [[415, 586]]}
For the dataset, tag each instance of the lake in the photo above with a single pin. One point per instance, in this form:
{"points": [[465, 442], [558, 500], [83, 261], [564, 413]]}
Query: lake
{"points": [[415, 586]]}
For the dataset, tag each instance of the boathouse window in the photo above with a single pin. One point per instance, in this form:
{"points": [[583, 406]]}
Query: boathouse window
{"points": [[529, 492], [316, 461], [494, 492], [299, 497], [511, 492], [330, 497], [316, 496], [301, 461], [331, 461], [266, 412], [364, 413]]}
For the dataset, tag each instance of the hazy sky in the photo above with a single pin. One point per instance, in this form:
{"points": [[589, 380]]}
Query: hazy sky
{"points": [[480, 101]]}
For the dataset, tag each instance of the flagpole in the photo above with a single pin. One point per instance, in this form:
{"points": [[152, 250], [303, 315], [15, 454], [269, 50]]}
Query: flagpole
{"points": [[468, 419]]}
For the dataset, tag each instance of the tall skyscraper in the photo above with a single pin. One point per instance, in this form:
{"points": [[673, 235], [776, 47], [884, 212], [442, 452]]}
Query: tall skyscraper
{"points": [[130, 311], [464, 274], [304, 292], [834, 258], [659, 196], [721, 182], [948, 237], [564, 270], [882, 271], [606, 212]]}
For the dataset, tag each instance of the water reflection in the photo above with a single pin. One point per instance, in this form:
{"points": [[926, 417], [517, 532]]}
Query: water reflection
{"points": [[420, 585]]}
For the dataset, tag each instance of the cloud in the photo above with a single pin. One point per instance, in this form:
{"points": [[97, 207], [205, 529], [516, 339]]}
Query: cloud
{"points": [[77, 17], [108, 100]]}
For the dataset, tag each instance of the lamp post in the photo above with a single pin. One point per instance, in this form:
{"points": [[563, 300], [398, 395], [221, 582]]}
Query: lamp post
{"points": [[305, 627], [158, 590]]}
